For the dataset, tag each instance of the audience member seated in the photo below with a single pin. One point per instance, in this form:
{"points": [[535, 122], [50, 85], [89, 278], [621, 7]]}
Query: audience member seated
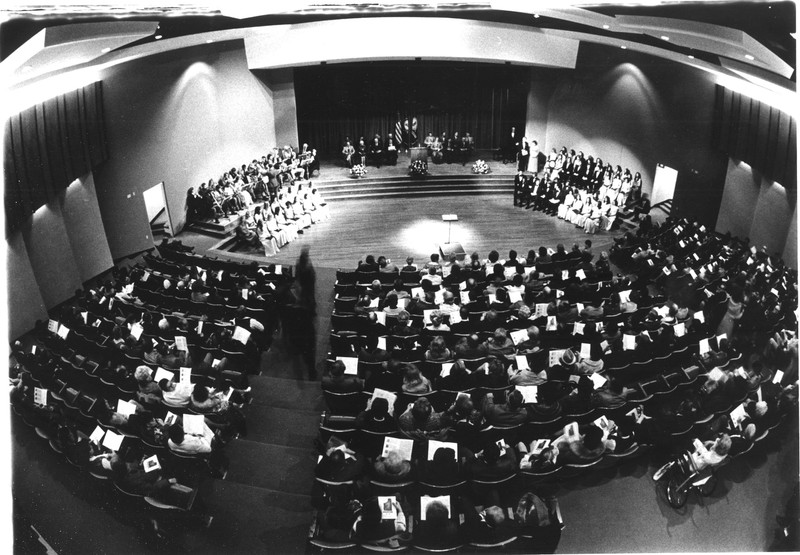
{"points": [[339, 382], [512, 412]]}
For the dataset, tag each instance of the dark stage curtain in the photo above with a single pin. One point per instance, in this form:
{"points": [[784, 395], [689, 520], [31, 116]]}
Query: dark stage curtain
{"points": [[758, 134], [362, 99], [50, 145]]}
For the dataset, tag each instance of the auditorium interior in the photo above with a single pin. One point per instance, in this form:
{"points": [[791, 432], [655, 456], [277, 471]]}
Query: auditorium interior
{"points": [[218, 296]]}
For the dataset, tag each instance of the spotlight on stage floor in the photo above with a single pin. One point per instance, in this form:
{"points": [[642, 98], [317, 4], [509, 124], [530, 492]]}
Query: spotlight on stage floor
{"points": [[422, 237]]}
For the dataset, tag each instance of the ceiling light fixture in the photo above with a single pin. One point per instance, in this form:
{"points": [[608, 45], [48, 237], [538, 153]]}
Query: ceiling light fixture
{"points": [[157, 37], [691, 57], [606, 26], [536, 16], [664, 37], [209, 41], [749, 57], [624, 47], [106, 49]]}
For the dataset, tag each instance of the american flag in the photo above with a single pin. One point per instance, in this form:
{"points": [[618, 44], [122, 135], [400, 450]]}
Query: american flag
{"points": [[398, 132]]}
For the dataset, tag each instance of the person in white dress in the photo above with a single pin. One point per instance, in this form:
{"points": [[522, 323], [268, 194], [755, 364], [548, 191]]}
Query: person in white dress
{"points": [[533, 162]]}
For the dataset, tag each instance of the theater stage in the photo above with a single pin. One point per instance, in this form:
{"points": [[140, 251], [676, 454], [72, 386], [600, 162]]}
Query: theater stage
{"points": [[398, 227]]}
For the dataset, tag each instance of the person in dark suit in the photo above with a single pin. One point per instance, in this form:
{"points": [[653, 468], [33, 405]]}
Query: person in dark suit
{"points": [[467, 146], [519, 183], [376, 151], [523, 155], [511, 146], [391, 151]]}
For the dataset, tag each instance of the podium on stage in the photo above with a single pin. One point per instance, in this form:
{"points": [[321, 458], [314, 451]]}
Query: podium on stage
{"points": [[448, 249], [419, 153]]}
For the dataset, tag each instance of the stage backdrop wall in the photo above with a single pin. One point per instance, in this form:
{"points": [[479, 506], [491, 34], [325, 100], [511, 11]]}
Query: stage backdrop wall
{"points": [[362, 99], [637, 111], [181, 117]]}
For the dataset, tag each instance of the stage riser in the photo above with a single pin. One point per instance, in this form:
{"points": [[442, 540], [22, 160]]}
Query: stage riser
{"points": [[406, 179], [413, 193]]}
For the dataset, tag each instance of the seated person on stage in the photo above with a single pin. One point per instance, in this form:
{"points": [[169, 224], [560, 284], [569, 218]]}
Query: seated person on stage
{"points": [[337, 381], [348, 152], [247, 235], [376, 151], [429, 140], [391, 152]]}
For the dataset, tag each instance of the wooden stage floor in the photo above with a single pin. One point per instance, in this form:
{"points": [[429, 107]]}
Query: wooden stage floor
{"points": [[401, 227], [334, 169]]}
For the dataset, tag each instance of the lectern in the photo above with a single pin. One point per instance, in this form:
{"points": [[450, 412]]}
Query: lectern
{"points": [[419, 153], [448, 249]]}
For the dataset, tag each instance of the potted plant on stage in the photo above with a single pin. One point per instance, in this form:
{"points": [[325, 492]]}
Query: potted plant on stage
{"points": [[418, 169], [480, 167], [358, 170]]}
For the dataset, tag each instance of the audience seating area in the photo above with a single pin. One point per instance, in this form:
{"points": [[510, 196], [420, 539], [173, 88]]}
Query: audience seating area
{"points": [[118, 368], [533, 373]]}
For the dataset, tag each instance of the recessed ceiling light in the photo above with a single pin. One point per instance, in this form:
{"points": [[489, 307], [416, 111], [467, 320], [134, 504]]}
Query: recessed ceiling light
{"points": [[691, 57], [606, 26], [536, 15], [106, 49], [624, 47], [158, 37], [749, 57], [664, 37], [209, 41]]}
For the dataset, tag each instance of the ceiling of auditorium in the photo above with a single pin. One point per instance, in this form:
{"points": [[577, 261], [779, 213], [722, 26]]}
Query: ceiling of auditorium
{"points": [[757, 36]]}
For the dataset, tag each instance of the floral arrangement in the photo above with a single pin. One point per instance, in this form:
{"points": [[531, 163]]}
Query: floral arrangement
{"points": [[418, 168], [359, 170], [480, 167]]}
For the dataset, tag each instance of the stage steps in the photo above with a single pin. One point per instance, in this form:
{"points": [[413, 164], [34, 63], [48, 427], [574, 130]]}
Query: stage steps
{"points": [[351, 188]]}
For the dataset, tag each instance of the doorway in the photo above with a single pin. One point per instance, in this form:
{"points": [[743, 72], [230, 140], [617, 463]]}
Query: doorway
{"points": [[155, 201]]}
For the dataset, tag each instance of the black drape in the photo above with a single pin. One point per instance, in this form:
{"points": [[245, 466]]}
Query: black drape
{"points": [[758, 134], [362, 99], [48, 146]]}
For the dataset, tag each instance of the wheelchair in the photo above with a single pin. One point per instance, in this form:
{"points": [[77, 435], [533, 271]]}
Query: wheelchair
{"points": [[681, 477]]}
